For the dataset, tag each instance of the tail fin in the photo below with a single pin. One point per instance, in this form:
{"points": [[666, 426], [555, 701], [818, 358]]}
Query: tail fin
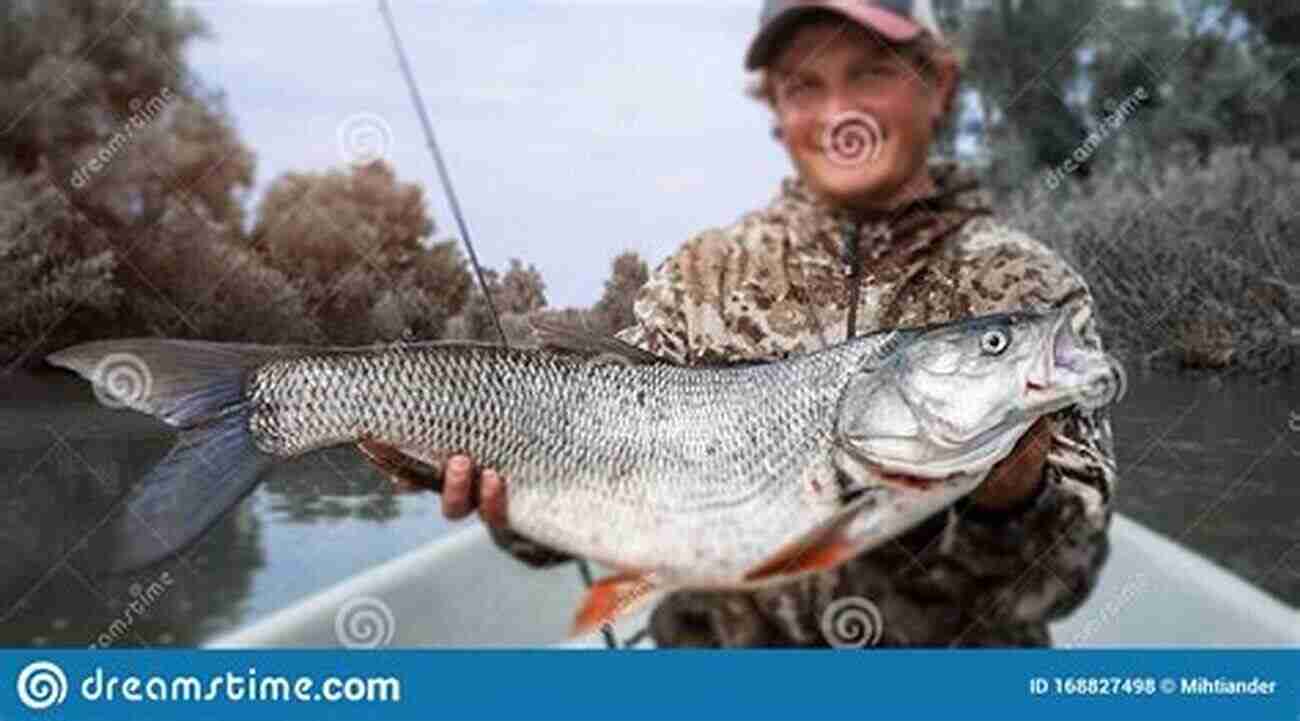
{"points": [[195, 386]]}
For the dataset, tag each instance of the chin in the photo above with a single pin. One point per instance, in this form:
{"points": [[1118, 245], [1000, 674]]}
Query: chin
{"points": [[851, 186]]}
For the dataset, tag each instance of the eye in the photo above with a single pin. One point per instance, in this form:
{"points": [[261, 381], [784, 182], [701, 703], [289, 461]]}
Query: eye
{"points": [[993, 342]]}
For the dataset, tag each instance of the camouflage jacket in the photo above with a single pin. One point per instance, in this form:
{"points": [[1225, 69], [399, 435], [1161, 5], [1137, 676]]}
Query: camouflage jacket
{"points": [[783, 280]]}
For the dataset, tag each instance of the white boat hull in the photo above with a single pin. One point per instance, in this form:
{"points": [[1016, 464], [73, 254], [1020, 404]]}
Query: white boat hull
{"points": [[464, 592]]}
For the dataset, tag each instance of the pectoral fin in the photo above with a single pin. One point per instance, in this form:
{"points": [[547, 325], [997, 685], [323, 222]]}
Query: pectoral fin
{"points": [[826, 546], [610, 598], [409, 472], [828, 554]]}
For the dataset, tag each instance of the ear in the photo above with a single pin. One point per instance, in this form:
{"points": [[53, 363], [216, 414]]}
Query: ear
{"points": [[947, 76]]}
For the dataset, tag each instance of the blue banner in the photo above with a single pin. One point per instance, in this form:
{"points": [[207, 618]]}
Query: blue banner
{"points": [[956, 684]]}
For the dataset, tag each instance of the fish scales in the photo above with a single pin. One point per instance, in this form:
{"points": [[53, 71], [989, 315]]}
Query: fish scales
{"points": [[696, 460]]}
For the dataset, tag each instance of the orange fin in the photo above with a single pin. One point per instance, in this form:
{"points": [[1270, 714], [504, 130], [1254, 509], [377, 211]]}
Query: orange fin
{"points": [[828, 554], [408, 473], [824, 547], [611, 597]]}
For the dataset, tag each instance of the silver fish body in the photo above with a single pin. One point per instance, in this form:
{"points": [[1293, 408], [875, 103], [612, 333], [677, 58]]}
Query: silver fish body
{"points": [[693, 477], [692, 472]]}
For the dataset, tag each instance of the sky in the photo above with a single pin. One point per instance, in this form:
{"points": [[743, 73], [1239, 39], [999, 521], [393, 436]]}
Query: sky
{"points": [[572, 130]]}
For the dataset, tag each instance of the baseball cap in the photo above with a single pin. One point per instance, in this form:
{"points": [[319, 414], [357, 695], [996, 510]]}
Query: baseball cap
{"points": [[898, 21]]}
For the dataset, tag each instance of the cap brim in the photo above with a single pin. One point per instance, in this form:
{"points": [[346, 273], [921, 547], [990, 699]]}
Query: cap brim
{"points": [[891, 26]]}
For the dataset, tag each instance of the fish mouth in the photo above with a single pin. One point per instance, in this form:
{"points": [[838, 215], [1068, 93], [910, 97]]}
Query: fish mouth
{"points": [[1067, 372]]}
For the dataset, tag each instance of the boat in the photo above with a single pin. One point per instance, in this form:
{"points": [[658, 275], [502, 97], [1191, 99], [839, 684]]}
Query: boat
{"points": [[463, 592]]}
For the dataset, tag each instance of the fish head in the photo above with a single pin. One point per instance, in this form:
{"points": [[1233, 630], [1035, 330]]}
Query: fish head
{"points": [[955, 398]]}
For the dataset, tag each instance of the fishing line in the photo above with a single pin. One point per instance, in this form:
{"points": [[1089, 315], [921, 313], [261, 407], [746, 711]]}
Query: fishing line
{"points": [[610, 640]]}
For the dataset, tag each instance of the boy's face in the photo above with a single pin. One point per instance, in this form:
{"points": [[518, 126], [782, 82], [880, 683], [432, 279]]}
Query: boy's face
{"points": [[857, 118]]}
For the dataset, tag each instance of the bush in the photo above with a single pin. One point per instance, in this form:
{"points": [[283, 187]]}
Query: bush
{"points": [[1192, 265], [57, 274], [356, 245]]}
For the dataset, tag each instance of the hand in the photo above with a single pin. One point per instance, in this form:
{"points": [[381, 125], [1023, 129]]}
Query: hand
{"points": [[1015, 477], [458, 492]]}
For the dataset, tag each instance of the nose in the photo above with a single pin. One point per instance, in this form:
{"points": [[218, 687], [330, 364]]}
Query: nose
{"points": [[838, 102]]}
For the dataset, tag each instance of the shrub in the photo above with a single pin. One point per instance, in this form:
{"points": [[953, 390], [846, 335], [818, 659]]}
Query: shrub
{"points": [[1191, 264]]}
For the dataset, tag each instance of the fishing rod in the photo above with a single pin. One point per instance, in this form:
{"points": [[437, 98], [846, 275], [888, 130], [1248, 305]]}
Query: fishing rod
{"points": [[610, 640]]}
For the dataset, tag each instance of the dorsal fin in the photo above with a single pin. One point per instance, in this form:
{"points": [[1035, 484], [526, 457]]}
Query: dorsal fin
{"points": [[560, 337]]}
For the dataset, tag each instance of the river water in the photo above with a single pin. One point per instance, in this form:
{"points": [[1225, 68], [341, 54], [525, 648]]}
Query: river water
{"points": [[1212, 464]]}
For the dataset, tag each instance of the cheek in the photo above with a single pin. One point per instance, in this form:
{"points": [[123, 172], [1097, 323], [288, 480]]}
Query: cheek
{"points": [[799, 133], [908, 115], [802, 142]]}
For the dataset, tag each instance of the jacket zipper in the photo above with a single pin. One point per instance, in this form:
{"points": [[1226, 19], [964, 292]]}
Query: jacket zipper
{"points": [[852, 256]]}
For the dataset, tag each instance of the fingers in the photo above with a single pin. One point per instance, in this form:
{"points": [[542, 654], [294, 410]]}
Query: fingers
{"points": [[458, 496], [457, 484], [492, 499]]}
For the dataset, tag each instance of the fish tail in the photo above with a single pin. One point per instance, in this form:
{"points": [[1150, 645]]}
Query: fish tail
{"points": [[199, 388]]}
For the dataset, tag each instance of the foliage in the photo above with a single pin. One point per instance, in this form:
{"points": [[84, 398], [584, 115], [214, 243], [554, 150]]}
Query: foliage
{"points": [[1194, 266], [1041, 77], [614, 309], [355, 245]]}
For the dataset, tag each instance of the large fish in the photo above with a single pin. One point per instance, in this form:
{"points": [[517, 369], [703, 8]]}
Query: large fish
{"points": [[679, 477]]}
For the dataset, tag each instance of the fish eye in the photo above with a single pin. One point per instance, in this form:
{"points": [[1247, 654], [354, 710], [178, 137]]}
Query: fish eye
{"points": [[995, 341]]}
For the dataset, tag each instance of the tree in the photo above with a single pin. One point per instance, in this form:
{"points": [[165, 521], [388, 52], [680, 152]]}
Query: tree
{"points": [[358, 245], [1021, 67], [1279, 22], [1043, 81], [521, 290], [627, 274], [106, 140], [516, 295], [98, 95]]}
